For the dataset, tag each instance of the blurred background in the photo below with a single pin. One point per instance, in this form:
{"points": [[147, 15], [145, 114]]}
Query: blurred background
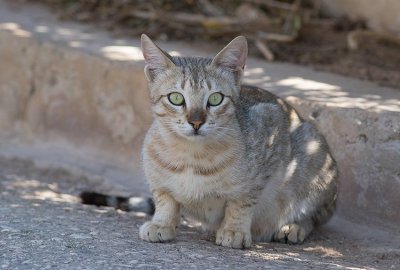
{"points": [[357, 38]]}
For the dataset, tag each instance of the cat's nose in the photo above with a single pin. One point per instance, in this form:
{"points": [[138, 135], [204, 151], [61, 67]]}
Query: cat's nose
{"points": [[196, 124]]}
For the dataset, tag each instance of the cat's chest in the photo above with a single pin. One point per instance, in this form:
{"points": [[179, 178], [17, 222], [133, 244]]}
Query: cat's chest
{"points": [[192, 177], [193, 171], [195, 183]]}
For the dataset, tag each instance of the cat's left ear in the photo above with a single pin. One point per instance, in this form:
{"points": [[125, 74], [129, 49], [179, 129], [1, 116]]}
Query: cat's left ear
{"points": [[157, 61], [233, 56]]}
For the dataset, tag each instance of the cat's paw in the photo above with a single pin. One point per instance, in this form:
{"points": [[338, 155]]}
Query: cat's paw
{"points": [[291, 233], [233, 239], [155, 233]]}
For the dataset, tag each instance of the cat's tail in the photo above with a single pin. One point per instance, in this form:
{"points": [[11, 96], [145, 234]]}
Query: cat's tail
{"points": [[134, 204]]}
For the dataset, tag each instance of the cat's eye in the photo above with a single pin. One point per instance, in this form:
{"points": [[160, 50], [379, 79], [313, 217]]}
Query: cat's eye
{"points": [[176, 98], [215, 99]]}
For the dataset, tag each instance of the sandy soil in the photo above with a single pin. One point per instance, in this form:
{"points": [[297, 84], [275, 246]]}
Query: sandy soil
{"points": [[43, 225]]}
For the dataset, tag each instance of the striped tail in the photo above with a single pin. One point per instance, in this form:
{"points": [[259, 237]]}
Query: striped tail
{"points": [[129, 204]]}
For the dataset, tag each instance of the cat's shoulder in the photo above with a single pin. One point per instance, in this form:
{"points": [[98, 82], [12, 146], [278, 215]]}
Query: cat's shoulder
{"points": [[258, 104], [253, 96]]}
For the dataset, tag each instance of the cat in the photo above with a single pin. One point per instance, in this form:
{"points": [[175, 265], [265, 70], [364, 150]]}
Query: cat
{"points": [[234, 157]]}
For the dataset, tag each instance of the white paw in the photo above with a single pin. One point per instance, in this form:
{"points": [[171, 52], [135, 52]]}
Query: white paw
{"points": [[155, 233], [291, 233], [233, 239]]}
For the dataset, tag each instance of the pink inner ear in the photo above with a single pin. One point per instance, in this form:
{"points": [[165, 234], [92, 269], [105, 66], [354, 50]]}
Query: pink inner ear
{"points": [[234, 55], [241, 61], [234, 59], [152, 56], [156, 61]]}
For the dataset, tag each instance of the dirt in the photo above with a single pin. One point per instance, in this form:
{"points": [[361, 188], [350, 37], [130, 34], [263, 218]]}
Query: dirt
{"points": [[321, 43], [43, 225]]}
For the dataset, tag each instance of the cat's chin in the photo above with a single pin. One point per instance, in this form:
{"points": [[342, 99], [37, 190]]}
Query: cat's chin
{"points": [[195, 136]]}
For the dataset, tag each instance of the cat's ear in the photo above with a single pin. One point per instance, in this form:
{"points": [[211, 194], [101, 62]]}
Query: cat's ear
{"points": [[157, 61], [233, 56]]}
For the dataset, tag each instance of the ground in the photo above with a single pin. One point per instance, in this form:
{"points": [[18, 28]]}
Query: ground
{"points": [[43, 225]]}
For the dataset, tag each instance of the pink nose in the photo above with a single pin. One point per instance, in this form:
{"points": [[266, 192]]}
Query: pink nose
{"points": [[196, 124]]}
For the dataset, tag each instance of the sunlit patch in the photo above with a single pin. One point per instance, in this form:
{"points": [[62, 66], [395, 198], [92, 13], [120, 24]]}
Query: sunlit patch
{"points": [[139, 214], [48, 195], [15, 29], [75, 44], [26, 184], [66, 32], [253, 71], [254, 76], [174, 53], [324, 251], [312, 147], [291, 168], [334, 95], [268, 256], [122, 53], [42, 29], [102, 210], [305, 84]]}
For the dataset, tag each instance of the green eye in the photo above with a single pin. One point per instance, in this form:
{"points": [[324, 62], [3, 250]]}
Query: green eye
{"points": [[176, 98], [215, 99]]}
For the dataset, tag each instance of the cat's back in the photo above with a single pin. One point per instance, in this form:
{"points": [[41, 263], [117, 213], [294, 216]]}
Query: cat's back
{"points": [[257, 106], [252, 95]]}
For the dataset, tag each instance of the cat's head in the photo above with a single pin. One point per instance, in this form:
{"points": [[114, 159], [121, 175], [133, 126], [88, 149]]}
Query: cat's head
{"points": [[194, 97]]}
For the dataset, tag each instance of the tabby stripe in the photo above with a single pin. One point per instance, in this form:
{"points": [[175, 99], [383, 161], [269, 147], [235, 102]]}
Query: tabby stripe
{"points": [[168, 108], [183, 79], [223, 109], [211, 150], [171, 167], [208, 171]]}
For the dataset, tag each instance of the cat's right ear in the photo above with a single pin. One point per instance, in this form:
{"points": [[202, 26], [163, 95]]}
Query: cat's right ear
{"points": [[157, 61]]}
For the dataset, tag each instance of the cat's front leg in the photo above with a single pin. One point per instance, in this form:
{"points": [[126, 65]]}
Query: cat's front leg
{"points": [[162, 227], [235, 230]]}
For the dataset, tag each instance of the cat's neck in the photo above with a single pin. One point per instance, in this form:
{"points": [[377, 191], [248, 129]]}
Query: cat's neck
{"points": [[196, 145]]}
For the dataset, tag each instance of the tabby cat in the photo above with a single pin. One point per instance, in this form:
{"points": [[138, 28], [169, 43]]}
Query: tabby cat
{"points": [[235, 157]]}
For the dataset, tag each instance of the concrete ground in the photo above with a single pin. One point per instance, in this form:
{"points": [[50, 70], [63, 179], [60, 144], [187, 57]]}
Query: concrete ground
{"points": [[43, 226]]}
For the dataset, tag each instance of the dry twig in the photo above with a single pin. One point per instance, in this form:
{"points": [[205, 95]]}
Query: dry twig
{"points": [[263, 48]]}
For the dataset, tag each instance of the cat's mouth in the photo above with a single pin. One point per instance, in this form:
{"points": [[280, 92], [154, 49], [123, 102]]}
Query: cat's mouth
{"points": [[196, 134]]}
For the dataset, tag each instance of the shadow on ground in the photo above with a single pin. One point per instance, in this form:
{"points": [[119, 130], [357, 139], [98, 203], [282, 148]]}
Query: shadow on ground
{"points": [[43, 225]]}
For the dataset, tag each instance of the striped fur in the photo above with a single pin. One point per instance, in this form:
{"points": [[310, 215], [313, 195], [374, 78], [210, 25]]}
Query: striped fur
{"points": [[134, 204], [254, 170]]}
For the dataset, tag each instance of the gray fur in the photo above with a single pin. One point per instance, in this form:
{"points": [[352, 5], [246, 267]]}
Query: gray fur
{"points": [[256, 169]]}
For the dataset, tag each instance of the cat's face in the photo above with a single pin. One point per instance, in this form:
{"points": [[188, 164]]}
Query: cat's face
{"points": [[194, 97]]}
